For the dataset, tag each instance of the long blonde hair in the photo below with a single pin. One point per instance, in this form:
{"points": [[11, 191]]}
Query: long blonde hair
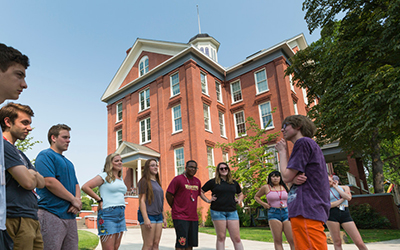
{"points": [[145, 181], [229, 178], [108, 168]]}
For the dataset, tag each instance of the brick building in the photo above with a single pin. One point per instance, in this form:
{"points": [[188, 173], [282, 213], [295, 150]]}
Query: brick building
{"points": [[174, 101]]}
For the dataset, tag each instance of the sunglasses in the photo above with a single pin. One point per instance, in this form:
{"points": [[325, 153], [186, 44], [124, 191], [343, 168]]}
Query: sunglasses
{"points": [[285, 125], [224, 168]]}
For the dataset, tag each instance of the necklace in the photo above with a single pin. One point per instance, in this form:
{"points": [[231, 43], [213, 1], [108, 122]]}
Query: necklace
{"points": [[189, 186]]}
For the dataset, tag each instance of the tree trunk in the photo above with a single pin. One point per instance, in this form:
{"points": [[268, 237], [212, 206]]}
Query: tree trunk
{"points": [[377, 164]]}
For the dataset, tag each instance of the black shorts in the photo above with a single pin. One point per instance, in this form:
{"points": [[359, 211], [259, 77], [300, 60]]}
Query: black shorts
{"points": [[6, 242], [187, 233], [341, 216]]}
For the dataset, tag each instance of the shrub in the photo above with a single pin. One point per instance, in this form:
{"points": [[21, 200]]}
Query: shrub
{"points": [[170, 223], [244, 219], [366, 217], [208, 222], [200, 215]]}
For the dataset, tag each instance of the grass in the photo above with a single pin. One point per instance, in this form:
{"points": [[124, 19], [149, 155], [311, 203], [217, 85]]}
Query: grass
{"points": [[87, 240], [264, 234]]}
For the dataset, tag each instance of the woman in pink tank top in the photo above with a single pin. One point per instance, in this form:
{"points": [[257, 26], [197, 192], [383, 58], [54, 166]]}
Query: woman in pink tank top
{"points": [[276, 193]]}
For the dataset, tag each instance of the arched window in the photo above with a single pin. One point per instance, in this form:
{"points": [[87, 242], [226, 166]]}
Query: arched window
{"points": [[143, 65]]}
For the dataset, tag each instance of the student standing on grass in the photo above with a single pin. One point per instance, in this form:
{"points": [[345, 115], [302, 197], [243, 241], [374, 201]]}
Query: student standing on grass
{"points": [[276, 193], [12, 81], [308, 204], [151, 202], [339, 215], [111, 209], [226, 193]]}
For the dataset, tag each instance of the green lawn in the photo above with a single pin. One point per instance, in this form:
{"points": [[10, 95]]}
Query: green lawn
{"points": [[264, 234], [87, 240]]}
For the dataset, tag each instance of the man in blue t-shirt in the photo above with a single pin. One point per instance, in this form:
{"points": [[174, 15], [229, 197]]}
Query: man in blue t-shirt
{"points": [[21, 179], [12, 81], [308, 203], [60, 200]]}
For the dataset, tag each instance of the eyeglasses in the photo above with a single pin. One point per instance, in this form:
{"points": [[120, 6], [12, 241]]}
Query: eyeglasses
{"points": [[224, 168], [285, 125]]}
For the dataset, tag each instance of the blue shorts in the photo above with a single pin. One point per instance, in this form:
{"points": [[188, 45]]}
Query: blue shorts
{"points": [[220, 215], [280, 214], [111, 220], [154, 219]]}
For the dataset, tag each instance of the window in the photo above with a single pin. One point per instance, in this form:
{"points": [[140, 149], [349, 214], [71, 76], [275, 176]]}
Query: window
{"points": [[218, 90], [206, 111], [266, 115], [261, 81], [175, 84], [225, 157], [272, 156], [305, 96], [203, 78], [179, 161], [144, 98], [143, 66], [296, 112], [145, 130], [236, 91], [119, 112], [291, 83], [176, 113], [119, 137], [240, 125], [221, 124], [210, 161]]}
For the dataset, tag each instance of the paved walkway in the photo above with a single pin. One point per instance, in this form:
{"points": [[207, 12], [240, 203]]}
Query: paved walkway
{"points": [[133, 240]]}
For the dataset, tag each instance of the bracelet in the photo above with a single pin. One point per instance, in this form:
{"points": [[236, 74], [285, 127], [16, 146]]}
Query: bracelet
{"points": [[101, 200]]}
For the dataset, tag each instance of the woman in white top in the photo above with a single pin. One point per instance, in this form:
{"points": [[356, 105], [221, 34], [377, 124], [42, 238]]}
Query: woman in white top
{"points": [[111, 210], [151, 202]]}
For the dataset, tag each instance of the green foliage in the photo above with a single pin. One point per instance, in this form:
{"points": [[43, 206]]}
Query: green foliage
{"points": [[200, 215], [366, 217], [86, 203], [354, 70], [26, 145], [170, 222], [244, 218], [208, 222], [250, 165]]}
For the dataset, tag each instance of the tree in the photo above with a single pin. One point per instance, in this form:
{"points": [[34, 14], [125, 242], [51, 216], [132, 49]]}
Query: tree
{"points": [[354, 70], [26, 145], [250, 165]]}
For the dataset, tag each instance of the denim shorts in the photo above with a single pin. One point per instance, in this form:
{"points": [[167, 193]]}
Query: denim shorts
{"points": [[280, 214], [111, 220], [154, 219], [221, 215]]}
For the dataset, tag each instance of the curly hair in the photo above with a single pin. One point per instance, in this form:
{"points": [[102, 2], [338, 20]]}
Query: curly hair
{"points": [[108, 167]]}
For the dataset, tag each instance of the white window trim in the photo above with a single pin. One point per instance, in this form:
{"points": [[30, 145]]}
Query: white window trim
{"points": [[277, 156], [296, 111], [143, 59], [173, 120], [211, 172], [206, 83], [220, 91], [146, 121], [233, 100], [209, 118], [223, 124], [175, 163], [256, 83], [170, 81], [291, 83], [305, 96], [227, 156], [234, 119], [116, 134], [119, 120], [261, 120], [145, 103]]}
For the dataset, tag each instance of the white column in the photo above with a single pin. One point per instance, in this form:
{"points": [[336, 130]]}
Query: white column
{"points": [[139, 168], [134, 178]]}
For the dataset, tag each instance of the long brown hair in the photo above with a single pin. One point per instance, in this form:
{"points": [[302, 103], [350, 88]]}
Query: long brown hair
{"points": [[229, 178], [145, 181], [108, 168]]}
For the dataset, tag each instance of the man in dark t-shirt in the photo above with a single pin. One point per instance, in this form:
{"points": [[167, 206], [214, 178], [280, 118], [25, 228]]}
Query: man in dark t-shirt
{"points": [[21, 179]]}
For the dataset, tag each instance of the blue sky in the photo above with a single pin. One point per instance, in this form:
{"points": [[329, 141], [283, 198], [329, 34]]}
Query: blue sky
{"points": [[76, 47]]}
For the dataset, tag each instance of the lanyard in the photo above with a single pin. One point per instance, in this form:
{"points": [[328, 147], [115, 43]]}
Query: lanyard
{"points": [[334, 194], [280, 196], [191, 191]]}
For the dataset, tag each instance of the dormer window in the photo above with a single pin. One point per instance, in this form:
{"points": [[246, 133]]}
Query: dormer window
{"points": [[143, 65]]}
